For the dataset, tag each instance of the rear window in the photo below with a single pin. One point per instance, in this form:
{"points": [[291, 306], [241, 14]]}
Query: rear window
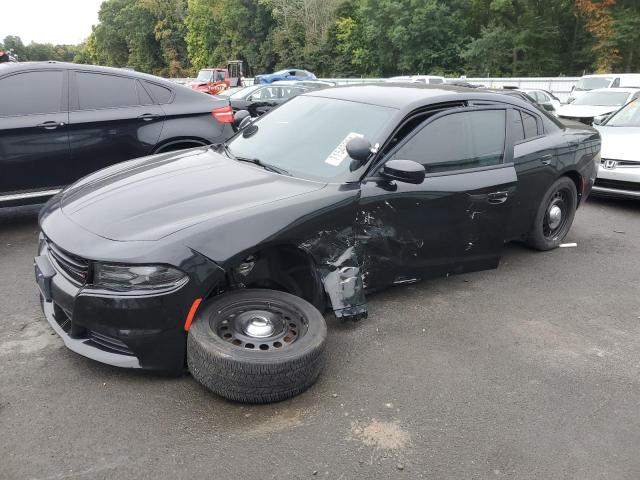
{"points": [[98, 90]]}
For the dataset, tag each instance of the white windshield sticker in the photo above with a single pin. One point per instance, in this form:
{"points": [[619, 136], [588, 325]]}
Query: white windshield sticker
{"points": [[338, 156]]}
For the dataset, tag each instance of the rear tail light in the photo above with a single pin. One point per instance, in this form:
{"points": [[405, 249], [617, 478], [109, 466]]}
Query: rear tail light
{"points": [[223, 114]]}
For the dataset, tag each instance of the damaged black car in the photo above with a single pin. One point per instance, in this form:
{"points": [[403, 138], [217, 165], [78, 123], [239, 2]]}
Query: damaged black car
{"points": [[221, 259]]}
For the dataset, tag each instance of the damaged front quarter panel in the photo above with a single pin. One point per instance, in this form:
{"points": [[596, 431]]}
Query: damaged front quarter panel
{"points": [[335, 251]]}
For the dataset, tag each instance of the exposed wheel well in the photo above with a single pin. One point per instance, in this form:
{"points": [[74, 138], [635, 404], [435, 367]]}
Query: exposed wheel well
{"points": [[286, 268], [578, 181], [179, 144]]}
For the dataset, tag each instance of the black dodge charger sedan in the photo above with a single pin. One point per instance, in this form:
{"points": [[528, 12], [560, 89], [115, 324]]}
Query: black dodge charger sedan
{"points": [[62, 121], [220, 259]]}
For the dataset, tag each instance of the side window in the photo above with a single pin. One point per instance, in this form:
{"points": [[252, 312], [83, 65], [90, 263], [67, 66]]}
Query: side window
{"points": [[30, 93], [530, 125], [145, 99], [159, 93], [98, 90], [616, 83], [518, 128], [458, 141], [435, 81]]}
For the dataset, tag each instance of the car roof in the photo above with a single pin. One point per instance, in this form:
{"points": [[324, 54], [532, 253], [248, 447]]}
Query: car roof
{"points": [[408, 96], [53, 65]]}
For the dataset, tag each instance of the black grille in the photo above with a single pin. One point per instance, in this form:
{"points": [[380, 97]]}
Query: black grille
{"points": [[622, 163], [62, 319], [617, 184], [108, 344], [74, 268]]}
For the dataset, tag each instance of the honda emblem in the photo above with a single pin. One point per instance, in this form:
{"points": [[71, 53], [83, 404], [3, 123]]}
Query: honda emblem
{"points": [[610, 164]]}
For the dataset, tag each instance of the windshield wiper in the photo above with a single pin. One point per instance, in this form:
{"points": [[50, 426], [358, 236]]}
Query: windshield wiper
{"points": [[266, 166], [255, 161]]}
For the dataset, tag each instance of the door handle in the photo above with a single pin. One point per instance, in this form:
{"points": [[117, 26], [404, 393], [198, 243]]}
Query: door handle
{"points": [[50, 125], [147, 116], [546, 159], [497, 197]]}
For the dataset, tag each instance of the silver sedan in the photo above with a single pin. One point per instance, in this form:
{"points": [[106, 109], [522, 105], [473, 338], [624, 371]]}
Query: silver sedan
{"points": [[619, 170]]}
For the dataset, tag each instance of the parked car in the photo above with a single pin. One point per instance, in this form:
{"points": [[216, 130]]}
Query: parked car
{"points": [[597, 104], [610, 80], [619, 169], [309, 84], [544, 97], [211, 81], [462, 83], [227, 255], [287, 74], [514, 92], [426, 79], [62, 121], [258, 101]]}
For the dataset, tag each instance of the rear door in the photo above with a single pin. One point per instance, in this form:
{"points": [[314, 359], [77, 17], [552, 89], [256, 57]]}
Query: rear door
{"points": [[34, 144], [455, 220], [112, 118]]}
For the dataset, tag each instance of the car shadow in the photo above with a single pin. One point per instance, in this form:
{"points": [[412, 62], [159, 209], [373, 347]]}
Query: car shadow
{"points": [[626, 204], [19, 216]]}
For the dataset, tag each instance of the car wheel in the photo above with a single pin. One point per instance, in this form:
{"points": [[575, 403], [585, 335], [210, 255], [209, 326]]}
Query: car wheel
{"points": [[555, 215], [257, 345]]}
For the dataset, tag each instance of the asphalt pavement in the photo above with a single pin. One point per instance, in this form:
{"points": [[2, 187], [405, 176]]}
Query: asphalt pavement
{"points": [[530, 371]]}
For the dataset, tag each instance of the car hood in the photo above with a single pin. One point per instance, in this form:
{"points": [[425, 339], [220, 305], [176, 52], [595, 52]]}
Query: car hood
{"points": [[620, 143], [152, 197], [583, 111]]}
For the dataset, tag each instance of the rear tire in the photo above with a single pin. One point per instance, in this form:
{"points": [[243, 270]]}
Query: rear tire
{"points": [[555, 215], [231, 351]]}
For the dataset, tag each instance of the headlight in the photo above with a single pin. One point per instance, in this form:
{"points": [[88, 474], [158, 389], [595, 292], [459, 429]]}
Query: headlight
{"points": [[138, 277]]}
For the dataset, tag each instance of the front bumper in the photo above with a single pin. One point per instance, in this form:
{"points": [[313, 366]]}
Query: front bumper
{"points": [[618, 181], [123, 329]]}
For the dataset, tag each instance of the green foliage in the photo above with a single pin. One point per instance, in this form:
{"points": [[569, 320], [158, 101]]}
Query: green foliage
{"points": [[357, 37]]}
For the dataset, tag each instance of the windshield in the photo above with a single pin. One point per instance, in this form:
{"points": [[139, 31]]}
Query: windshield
{"points": [[628, 116], [205, 75], [602, 99], [281, 72], [591, 83], [307, 135], [244, 92]]}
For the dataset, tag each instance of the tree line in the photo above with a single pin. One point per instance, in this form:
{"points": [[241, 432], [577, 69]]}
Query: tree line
{"points": [[337, 38]]}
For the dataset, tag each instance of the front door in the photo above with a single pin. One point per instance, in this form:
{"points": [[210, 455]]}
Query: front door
{"points": [[112, 119], [455, 220], [34, 143]]}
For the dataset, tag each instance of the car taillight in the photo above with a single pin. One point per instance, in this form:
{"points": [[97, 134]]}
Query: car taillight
{"points": [[223, 114]]}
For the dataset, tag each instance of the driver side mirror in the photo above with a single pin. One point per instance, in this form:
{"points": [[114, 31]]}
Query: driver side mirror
{"points": [[406, 171], [359, 149], [600, 119], [241, 119]]}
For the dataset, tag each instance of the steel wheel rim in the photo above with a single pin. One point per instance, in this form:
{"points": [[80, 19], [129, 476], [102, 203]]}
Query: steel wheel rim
{"points": [[556, 213], [257, 325]]}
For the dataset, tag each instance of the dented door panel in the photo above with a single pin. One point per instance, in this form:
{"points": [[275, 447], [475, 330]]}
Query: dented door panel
{"points": [[448, 224]]}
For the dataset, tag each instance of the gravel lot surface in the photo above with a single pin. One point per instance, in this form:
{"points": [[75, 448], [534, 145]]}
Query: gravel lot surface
{"points": [[530, 371]]}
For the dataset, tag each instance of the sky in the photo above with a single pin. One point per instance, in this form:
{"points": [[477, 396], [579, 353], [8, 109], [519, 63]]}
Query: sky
{"points": [[49, 21]]}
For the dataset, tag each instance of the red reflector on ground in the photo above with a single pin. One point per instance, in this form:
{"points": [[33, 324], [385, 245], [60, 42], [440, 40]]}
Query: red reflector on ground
{"points": [[223, 114], [192, 313]]}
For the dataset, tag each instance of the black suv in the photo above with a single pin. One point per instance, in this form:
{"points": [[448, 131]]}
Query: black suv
{"points": [[62, 121]]}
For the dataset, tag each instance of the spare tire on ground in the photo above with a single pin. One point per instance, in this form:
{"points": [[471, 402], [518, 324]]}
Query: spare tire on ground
{"points": [[257, 346]]}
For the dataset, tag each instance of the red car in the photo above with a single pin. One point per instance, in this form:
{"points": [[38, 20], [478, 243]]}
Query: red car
{"points": [[211, 81]]}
